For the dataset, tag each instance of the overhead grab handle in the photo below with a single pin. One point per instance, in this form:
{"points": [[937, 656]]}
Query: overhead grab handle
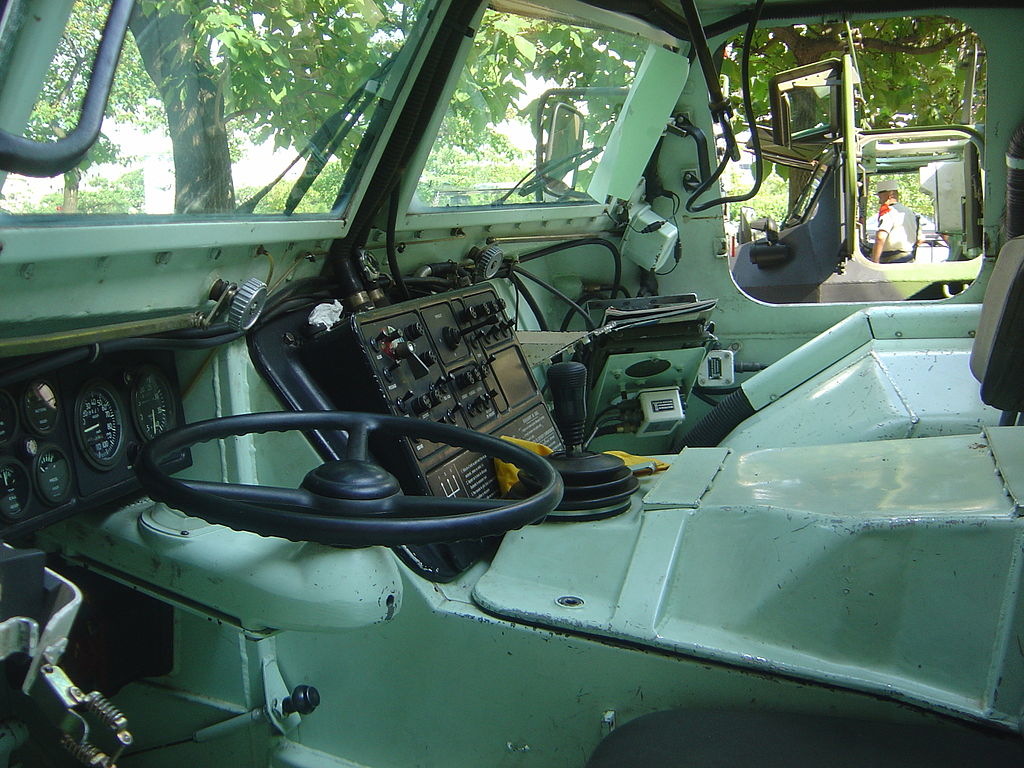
{"points": [[43, 159]]}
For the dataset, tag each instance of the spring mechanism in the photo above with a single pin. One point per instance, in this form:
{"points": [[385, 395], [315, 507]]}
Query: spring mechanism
{"points": [[86, 753], [107, 713]]}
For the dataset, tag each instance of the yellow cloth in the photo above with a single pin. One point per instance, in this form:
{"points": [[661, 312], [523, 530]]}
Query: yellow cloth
{"points": [[508, 474]]}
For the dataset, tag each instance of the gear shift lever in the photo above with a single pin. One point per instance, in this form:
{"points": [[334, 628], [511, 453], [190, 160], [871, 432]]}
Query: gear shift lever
{"points": [[568, 383], [596, 485]]}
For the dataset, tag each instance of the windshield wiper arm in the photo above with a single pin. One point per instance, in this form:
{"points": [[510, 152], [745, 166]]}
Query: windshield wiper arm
{"points": [[321, 145], [552, 169]]}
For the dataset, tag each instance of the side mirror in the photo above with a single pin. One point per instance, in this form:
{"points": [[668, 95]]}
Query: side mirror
{"points": [[560, 144], [805, 102]]}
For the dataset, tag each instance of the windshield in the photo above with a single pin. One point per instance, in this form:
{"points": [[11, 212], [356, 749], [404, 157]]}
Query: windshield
{"points": [[220, 107], [533, 132]]}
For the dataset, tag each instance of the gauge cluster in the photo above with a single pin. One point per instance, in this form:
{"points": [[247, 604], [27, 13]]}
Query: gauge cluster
{"points": [[69, 438]]}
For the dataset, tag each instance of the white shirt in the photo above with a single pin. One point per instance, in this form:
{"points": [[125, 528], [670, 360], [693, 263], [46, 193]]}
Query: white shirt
{"points": [[901, 224]]}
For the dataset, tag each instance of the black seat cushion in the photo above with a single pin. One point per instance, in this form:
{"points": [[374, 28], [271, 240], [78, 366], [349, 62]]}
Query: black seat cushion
{"points": [[741, 739]]}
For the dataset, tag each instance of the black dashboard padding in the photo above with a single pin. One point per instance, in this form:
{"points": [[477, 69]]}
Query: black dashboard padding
{"points": [[22, 592]]}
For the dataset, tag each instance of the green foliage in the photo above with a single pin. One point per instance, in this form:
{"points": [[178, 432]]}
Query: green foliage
{"points": [[912, 68], [99, 195]]}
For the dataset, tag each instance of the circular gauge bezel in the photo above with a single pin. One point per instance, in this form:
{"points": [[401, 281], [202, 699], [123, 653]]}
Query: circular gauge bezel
{"points": [[8, 403], [30, 420], [100, 462], [41, 491], [138, 419], [26, 479]]}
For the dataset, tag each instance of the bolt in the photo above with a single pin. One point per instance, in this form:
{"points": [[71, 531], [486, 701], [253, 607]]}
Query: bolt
{"points": [[27, 270], [162, 257]]}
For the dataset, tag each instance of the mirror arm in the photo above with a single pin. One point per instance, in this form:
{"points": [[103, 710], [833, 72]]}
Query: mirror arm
{"points": [[41, 159]]}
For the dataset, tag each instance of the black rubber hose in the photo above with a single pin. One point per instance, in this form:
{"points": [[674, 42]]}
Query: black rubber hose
{"points": [[1015, 184], [66, 357], [531, 302], [557, 247], [423, 96], [719, 422], [554, 291], [392, 249]]}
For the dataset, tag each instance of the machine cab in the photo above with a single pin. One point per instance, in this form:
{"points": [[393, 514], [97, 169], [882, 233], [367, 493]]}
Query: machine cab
{"points": [[379, 386]]}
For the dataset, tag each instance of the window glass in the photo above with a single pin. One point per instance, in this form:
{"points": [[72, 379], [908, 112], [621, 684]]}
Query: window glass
{"points": [[220, 106], [531, 114], [915, 81]]}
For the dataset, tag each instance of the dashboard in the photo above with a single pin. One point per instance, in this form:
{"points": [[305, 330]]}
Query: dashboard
{"points": [[69, 437]]}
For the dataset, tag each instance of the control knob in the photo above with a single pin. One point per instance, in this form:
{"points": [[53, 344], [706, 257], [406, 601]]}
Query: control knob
{"points": [[451, 336]]}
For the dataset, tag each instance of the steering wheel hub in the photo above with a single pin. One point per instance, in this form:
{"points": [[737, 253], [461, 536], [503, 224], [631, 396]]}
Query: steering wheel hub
{"points": [[351, 479]]}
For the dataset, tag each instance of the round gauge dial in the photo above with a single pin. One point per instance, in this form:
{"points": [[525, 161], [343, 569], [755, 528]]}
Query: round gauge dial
{"points": [[14, 490], [52, 472], [153, 403], [8, 418], [40, 406], [99, 425]]}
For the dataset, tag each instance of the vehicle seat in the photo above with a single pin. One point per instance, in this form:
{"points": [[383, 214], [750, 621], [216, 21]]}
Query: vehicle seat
{"points": [[739, 739], [997, 359]]}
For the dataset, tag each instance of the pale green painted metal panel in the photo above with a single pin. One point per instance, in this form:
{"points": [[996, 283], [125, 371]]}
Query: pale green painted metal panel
{"points": [[685, 482], [880, 566], [659, 81]]}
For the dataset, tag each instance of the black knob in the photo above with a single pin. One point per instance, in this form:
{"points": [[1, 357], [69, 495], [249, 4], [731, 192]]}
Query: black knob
{"points": [[303, 700], [451, 336], [568, 382]]}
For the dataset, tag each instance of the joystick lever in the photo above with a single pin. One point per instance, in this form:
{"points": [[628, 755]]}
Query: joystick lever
{"points": [[568, 383], [597, 485]]}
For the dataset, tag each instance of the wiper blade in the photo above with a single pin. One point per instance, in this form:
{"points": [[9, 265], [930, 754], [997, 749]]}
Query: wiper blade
{"points": [[549, 171], [323, 144]]}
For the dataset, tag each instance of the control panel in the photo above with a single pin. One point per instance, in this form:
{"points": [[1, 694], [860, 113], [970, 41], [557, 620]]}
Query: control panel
{"points": [[69, 437], [453, 360]]}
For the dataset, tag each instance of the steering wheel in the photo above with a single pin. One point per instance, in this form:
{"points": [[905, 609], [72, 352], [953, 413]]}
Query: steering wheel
{"points": [[351, 501]]}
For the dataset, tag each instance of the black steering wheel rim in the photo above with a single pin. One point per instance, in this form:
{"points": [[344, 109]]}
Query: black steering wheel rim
{"points": [[301, 515]]}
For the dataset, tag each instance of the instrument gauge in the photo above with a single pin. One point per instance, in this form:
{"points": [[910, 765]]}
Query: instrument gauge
{"points": [[40, 407], [99, 425], [14, 490], [8, 418], [153, 403], [52, 472]]}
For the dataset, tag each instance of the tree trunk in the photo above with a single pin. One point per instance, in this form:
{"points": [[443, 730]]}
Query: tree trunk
{"points": [[195, 111], [72, 179]]}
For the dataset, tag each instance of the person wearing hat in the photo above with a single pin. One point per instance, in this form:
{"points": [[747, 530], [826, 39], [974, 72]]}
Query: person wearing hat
{"points": [[896, 238]]}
